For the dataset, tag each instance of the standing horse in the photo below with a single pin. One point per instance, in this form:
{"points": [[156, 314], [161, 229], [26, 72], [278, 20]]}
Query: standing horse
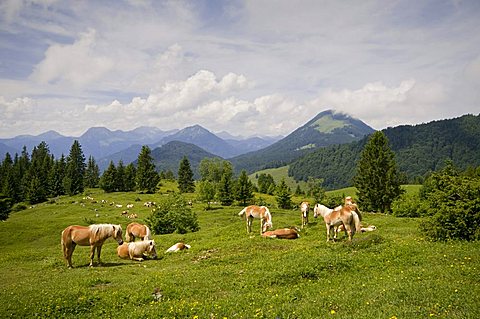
{"points": [[93, 236], [137, 230], [261, 212], [304, 208], [345, 215], [137, 250]]}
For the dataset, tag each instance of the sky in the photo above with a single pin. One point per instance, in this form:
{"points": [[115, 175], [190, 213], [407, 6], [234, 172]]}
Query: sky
{"points": [[249, 68]]}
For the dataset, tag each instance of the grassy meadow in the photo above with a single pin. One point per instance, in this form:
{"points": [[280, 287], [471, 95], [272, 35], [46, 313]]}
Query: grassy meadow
{"points": [[390, 273]]}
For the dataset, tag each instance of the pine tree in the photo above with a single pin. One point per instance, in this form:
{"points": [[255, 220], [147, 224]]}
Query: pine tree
{"points": [[92, 173], [36, 181], [129, 182], [283, 195], [56, 175], [185, 177], [108, 179], [226, 189], [244, 192], [146, 178], [120, 177], [73, 181], [377, 178]]}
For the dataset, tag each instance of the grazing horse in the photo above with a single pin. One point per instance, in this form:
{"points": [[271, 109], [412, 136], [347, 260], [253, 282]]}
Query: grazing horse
{"points": [[177, 247], [254, 211], [137, 250], [93, 236], [345, 215], [304, 208], [137, 230], [282, 233]]}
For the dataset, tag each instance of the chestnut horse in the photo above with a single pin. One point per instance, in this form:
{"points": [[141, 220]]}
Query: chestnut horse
{"points": [[137, 230], [177, 247], [345, 215], [137, 250], [282, 233], [304, 208], [93, 236], [261, 212]]}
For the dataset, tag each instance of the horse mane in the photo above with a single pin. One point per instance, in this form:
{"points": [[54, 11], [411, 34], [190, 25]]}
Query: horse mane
{"points": [[102, 231], [148, 234]]}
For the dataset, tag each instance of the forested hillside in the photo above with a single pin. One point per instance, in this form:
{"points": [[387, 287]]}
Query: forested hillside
{"points": [[327, 128], [419, 150]]}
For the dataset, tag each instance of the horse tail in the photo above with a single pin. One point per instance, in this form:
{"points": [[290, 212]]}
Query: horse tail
{"points": [[64, 248], [356, 219], [148, 233], [242, 212]]}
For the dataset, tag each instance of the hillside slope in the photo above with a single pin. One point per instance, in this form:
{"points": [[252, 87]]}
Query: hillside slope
{"points": [[419, 150], [327, 128]]}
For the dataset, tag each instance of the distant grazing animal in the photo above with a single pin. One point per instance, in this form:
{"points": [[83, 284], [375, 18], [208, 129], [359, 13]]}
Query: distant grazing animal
{"points": [[304, 208], [177, 247], [93, 236], [282, 233], [261, 212], [362, 229], [345, 215], [129, 205], [137, 250], [136, 230]]}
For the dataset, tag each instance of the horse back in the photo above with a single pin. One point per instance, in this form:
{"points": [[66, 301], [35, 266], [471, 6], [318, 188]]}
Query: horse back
{"points": [[80, 235]]}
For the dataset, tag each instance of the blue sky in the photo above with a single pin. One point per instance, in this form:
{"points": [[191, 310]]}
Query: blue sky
{"points": [[246, 67]]}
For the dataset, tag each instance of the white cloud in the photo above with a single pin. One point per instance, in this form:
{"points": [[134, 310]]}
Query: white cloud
{"points": [[78, 64]]}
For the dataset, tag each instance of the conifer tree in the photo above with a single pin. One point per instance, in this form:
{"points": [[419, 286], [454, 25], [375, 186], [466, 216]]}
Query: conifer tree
{"points": [[146, 178], [120, 177], [56, 175], [185, 177], [92, 173], [226, 189], [73, 181], [129, 181], [283, 195], [244, 191], [36, 180], [108, 179], [377, 178]]}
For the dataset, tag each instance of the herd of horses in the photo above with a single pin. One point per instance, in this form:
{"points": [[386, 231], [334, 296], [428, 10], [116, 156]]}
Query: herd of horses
{"points": [[345, 217]]}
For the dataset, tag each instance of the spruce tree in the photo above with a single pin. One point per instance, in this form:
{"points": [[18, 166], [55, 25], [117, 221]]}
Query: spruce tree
{"points": [[185, 177], [108, 179], [226, 189], [120, 177], [377, 178], [92, 173], [129, 181], [75, 170], [244, 192], [36, 181], [283, 195], [56, 175], [146, 178]]}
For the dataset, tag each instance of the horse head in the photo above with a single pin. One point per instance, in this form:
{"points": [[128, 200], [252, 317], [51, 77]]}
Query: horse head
{"points": [[118, 234], [268, 221], [151, 249]]}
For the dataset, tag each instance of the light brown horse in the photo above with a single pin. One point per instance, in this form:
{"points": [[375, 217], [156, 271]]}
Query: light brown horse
{"points": [[93, 236], [304, 208], [177, 247], [137, 230], [345, 215], [137, 250], [261, 212], [282, 233]]}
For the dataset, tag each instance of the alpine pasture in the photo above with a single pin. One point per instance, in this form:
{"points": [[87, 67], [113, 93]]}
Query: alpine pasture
{"points": [[392, 272]]}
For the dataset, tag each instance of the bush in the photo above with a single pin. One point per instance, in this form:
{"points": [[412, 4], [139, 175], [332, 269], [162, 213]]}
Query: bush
{"points": [[409, 207], [5, 207], [172, 214]]}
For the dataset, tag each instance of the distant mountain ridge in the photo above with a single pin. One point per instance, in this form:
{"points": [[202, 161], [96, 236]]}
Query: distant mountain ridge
{"points": [[327, 128]]}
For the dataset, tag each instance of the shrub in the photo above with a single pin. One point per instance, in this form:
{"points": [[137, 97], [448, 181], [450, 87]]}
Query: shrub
{"points": [[409, 207], [172, 214]]}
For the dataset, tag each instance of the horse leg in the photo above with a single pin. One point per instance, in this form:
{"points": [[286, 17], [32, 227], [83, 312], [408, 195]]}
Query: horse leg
{"points": [[68, 250], [328, 232], [99, 250], [249, 224], [349, 231]]}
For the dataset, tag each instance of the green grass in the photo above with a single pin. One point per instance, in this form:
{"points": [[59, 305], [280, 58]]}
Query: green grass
{"points": [[391, 273]]}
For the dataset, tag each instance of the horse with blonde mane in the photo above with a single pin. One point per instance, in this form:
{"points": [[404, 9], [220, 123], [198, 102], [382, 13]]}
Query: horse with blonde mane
{"points": [[137, 250], [137, 230], [345, 215], [304, 208], [261, 212], [93, 236]]}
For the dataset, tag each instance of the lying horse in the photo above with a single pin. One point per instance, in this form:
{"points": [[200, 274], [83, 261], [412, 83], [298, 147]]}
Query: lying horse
{"points": [[137, 250], [254, 211], [177, 247], [282, 233], [345, 215], [93, 236], [362, 229], [304, 208], [137, 230]]}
